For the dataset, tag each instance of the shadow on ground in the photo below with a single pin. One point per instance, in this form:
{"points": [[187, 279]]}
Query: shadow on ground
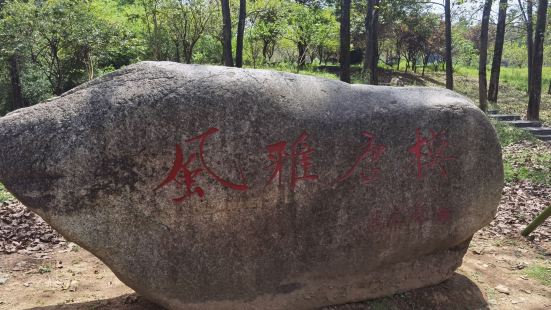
{"points": [[458, 292]]}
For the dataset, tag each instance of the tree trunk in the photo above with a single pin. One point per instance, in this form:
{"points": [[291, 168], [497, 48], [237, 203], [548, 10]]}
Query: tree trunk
{"points": [[425, 62], [399, 60], [537, 63], [529, 40], [345, 42], [226, 33], [240, 33], [367, 22], [156, 43], [498, 52], [549, 90], [449, 65], [372, 53], [482, 82], [301, 62], [15, 79], [265, 51], [177, 56]]}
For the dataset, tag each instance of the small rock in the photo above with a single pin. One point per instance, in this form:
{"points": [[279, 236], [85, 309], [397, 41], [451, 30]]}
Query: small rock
{"points": [[521, 265], [20, 266], [59, 265], [3, 279], [73, 286], [502, 289], [525, 291], [518, 301], [26, 284], [478, 251]]}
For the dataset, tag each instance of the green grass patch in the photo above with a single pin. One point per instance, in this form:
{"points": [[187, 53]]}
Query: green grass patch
{"points": [[514, 77], [4, 194], [44, 269], [539, 273], [508, 134], [528, 165]]}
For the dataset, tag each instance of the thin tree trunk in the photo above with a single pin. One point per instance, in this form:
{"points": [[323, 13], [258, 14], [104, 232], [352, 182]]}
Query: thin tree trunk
{"points": [[498, 52], [372, 54], [156, 43], [226, 33], [367, 22], [301, 62], [240, 33], [399, 60], [15, 79], [425, 62], [345, 42], [482, 82], [549, 90], [537, 63], [530, 39], [449, 64], [177, 56]]}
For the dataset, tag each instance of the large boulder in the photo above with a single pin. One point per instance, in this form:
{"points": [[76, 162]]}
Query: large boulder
{"points": [[207, 187]]}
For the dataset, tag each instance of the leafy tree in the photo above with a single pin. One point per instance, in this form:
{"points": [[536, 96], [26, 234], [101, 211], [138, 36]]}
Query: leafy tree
{"points": [[190, 20], [309, 27]]}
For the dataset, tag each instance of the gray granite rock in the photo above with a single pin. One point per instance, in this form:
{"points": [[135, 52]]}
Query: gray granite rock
{"points": [[218, 188]]}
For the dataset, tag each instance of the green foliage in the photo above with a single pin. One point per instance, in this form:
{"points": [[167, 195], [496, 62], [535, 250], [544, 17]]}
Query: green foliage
{"points": [[539, 273], [62, 43], [4, 194], [44, 269], [511, 76], [508, 135], [529, 165]]}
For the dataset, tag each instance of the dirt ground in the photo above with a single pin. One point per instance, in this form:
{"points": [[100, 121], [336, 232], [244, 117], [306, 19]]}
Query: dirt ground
{"points": [[493, 276]]}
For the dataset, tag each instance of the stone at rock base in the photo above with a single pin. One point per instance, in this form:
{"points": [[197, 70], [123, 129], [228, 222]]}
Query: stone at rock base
{"points": [[219, 188]]}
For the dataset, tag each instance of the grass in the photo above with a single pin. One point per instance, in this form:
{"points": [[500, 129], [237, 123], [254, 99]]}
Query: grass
{"points": [[506, 242], [530, 164], [4, 194], [44, 269], [508, 135], [512, 97], [514, 77], [539, 273]]}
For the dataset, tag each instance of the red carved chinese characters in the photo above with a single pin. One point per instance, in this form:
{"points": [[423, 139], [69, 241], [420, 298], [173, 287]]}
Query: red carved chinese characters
{"points": [[276, 154], [301, 159], [181, 168], [371, 154], [429, 152]]}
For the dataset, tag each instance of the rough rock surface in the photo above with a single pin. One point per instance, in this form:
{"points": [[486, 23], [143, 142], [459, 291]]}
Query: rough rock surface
{"points": [[219, 188]]}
